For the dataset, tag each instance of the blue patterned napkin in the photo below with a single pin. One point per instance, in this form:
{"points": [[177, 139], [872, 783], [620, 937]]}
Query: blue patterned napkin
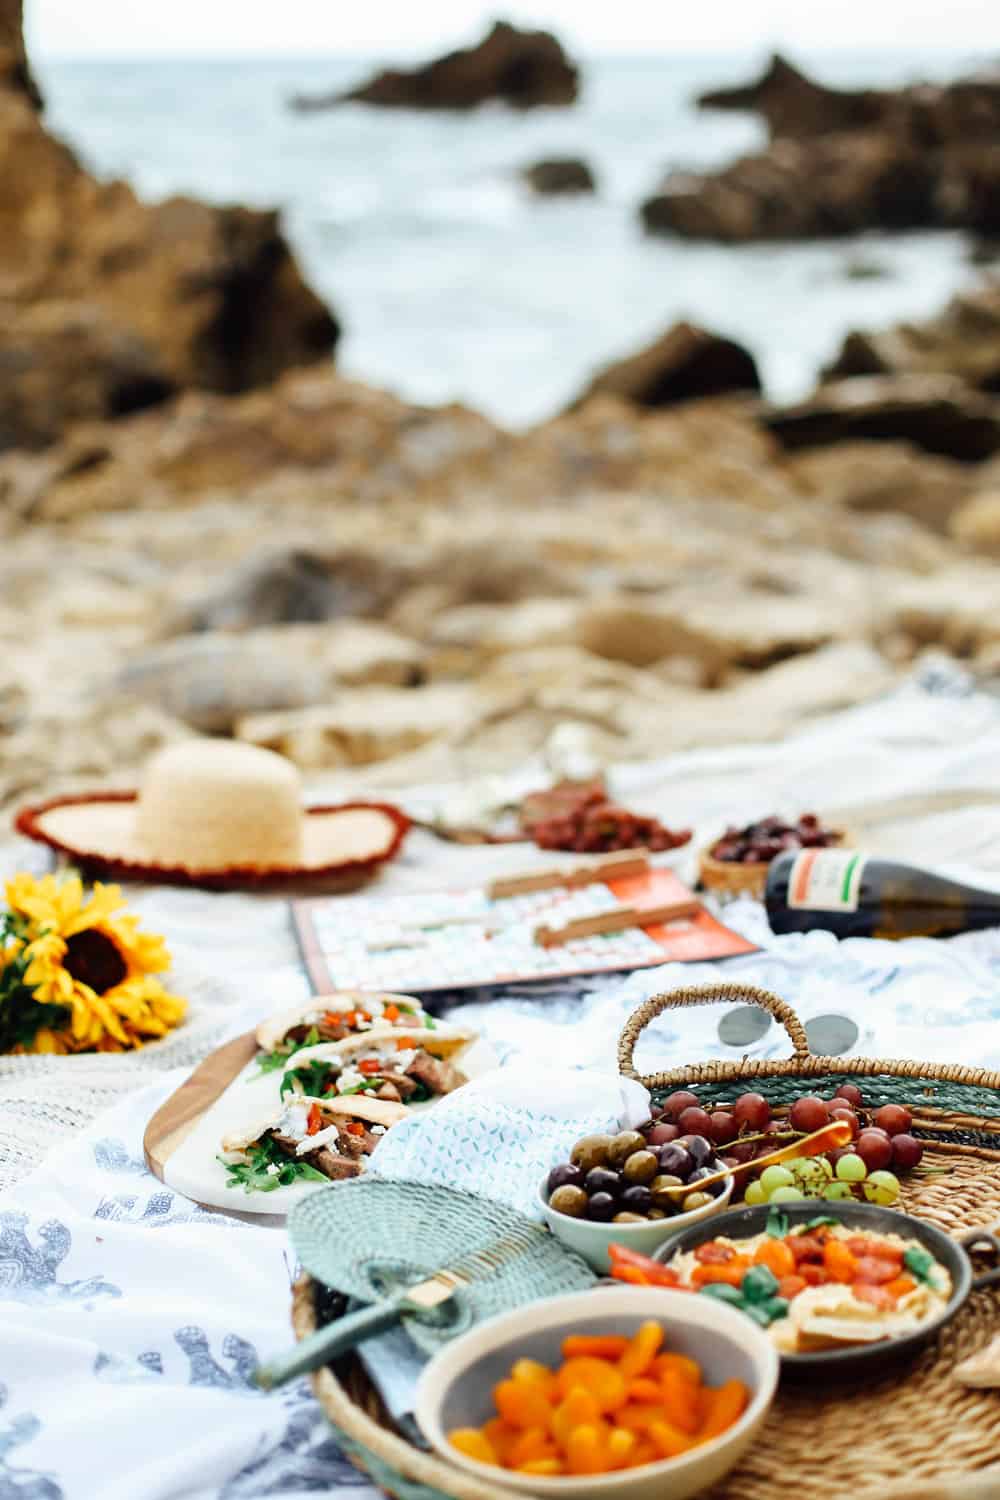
{"points": [[499, 1135]]}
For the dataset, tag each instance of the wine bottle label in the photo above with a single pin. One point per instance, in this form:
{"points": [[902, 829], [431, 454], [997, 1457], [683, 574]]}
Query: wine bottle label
{"points": [[826, 880]]}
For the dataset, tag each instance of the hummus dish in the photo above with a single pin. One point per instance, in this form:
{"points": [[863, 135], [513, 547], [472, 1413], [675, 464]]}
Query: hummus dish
{"points": [[822, 1285]]}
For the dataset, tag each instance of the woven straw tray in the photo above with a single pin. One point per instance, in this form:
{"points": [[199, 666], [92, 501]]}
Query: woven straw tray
{"points": [[912, 1433]]}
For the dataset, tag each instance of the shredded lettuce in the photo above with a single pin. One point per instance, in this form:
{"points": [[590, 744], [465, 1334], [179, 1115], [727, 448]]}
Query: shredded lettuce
{"points": [[253, 1177]]}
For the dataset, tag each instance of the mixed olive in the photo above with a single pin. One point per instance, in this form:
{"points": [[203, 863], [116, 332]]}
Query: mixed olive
{"points": [[633, 1176]]}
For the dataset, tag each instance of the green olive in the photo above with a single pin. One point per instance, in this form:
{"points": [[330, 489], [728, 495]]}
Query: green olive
{"points": [[627, 1218], [569, 1200], [660, 1184], [641, 1166], [590, 1151], [623, 1144], [656, 1213], [695, 1200]]}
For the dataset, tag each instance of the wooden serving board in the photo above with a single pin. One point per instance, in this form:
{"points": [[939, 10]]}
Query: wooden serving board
{"points": [[175, 1119]]}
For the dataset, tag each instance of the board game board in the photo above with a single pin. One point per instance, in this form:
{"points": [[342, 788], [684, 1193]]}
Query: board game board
{"points": [[444, 940]]}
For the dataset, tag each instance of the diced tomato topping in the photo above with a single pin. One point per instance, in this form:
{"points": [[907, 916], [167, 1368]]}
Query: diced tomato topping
{"points": [[812, 1274], [714, 1254], [805, 1247], [403, 1044], [333, 1018], [874, 1271], [878, 1296], [369, 1065], [314, 1120], [791, 1286], [718, 1275], [354, 1127], [858, 1244], [391, 1012]]}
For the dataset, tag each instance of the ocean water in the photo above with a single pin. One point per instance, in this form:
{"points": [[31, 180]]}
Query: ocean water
{"points": [[452, 281]]}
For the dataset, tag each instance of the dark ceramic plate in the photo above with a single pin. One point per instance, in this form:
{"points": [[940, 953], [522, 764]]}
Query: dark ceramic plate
{"points": [[866, 1218]]}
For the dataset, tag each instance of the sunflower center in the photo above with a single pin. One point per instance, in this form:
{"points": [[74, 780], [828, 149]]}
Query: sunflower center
{"points": [[93, 959]]}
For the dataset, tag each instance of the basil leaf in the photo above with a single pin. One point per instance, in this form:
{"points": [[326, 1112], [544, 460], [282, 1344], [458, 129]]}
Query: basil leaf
{"points": [[777, 1224], [921, 1263], [818, 1223], [759, 1284]]}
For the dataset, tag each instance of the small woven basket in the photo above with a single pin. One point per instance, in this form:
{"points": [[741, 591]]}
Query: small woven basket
{"points": [[877, 1440], [728, 879]]}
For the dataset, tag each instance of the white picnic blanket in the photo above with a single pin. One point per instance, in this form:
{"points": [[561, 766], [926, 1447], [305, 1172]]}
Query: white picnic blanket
{"points": [[130, 1319]]}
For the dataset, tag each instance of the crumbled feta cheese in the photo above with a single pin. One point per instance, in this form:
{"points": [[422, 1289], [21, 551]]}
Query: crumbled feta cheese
{"points": [[350, 1078], [377, 1129], [273, 1169], [403, 1059], [294, 1122], [325, 1137]]}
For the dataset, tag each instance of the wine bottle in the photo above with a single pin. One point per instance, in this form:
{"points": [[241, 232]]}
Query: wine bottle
{"points": [[861, 895]]}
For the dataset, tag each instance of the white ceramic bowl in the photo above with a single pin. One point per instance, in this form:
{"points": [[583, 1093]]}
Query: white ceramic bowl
{"points": [[455, 1389], [591, 1239]]}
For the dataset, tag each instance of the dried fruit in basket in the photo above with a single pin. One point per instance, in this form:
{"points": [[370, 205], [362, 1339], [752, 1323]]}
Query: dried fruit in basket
{"points": [[614, 1403], [582, 818]]}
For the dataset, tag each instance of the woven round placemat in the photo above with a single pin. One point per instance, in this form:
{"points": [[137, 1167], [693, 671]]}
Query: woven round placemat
{"points": [[912, 1430]]}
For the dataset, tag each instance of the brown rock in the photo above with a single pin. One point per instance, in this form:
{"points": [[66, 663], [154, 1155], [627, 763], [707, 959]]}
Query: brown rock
{"points": [[686, 363], [822, 187], [107, 304], [15, 73], [559, 175], [524, 69], [962, 340], [937, 413], [977, 525], [794, 105], [893, 477]]}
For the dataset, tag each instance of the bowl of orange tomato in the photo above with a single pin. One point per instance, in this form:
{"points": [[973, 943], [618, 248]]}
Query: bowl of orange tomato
{"points": [[637, 1392]]}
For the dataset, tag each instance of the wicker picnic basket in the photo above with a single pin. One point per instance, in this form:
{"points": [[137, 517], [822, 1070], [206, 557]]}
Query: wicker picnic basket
{"points": [[888, 1436]]}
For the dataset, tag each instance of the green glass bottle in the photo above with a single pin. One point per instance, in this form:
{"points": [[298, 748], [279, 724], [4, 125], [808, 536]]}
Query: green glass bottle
{"points": [[854, 894]]}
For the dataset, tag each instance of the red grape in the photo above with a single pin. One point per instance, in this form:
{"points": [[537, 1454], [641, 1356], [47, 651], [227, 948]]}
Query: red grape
{"points": [[874, 1149], [906, 1151], [844, 1112], [661, 1133], [894, 1119], [851, 1093], [752, 1110], [834, 1156], [722, 1127], [809, 1113], [695, 1121], [677, 1103], [743, 1150]]}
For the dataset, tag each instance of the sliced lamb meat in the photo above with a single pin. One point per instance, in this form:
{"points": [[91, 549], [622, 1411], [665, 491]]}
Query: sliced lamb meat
{"points": [[285, 1143], [437, 1076], [404, 1086], [390, 1091], [350, 1145], [331, 1165]]}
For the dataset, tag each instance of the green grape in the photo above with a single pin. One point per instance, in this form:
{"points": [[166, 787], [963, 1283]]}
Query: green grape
{"points": [[787, 1195], [882, 1187], [775, 1177], [838, 1192], [812, 1174], [851, 1168], [754, 1194]]}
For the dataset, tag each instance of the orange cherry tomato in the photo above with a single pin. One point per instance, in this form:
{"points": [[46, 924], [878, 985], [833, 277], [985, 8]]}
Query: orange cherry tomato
{"points": [[878, 1296], [776, 1255], [870, 1268], [791, 1286], [839, 1263]]}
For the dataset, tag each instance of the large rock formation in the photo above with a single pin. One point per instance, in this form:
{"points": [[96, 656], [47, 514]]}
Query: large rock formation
{"points": [[842, 161], [796, 106], [938, 413], [962, 340], [108, 304], [686, 363], [524, 69], [15, 73]]}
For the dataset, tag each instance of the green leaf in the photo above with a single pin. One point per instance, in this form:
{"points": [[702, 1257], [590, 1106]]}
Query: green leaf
{"points": [[775, 1307], [722, 1293], [313, 1077], [253, 1177], [755, 1311], [819, 1221], [921, 1263], [759, 1284], [270, 1062], [777, 1224]]}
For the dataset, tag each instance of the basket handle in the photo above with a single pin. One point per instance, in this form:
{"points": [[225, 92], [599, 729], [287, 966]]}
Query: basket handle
{"points": [[708, 994]]}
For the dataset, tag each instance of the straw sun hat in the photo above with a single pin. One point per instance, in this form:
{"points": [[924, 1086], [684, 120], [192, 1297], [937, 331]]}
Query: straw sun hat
{"points": [[217, 813]]}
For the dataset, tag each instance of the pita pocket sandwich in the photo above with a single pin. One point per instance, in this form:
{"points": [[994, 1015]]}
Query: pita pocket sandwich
{"points": [[333, 1018], [398, 1065], [307, 1139]]}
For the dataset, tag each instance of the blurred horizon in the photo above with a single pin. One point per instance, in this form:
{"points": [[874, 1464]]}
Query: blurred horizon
{"points": [[60, 30]]}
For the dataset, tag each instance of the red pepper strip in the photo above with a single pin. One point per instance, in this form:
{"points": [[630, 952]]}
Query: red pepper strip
{"points": [[368, 1066], [314, 1121], [653, 1273]]}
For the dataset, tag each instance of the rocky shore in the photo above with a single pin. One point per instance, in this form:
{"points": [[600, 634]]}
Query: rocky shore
{"points": [[205, 528]]}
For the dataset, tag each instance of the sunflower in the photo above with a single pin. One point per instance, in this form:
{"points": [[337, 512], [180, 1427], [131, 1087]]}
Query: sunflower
{"points": [[79, 973]]}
